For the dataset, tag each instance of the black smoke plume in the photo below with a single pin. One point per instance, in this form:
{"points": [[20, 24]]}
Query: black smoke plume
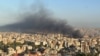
{"points": [[42, 21]]}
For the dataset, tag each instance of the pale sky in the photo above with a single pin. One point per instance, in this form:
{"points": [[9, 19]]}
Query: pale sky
{"points": [[78, 13]]}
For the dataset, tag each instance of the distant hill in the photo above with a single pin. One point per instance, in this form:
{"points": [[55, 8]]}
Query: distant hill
{"points": [[90, 32]]}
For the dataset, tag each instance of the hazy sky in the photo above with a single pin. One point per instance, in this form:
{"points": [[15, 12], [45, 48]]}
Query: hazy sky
{"points": [[79, 13]]}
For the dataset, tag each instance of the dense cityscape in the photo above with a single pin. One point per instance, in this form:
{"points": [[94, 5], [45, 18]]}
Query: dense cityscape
{"points": [[49, 28], [37, 44]]}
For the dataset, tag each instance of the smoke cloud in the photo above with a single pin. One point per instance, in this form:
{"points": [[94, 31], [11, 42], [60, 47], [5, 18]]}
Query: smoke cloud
{"points": [[42, 21]]}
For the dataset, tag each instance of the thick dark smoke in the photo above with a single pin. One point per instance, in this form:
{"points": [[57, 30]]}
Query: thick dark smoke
{"points": [[42, 21]]}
